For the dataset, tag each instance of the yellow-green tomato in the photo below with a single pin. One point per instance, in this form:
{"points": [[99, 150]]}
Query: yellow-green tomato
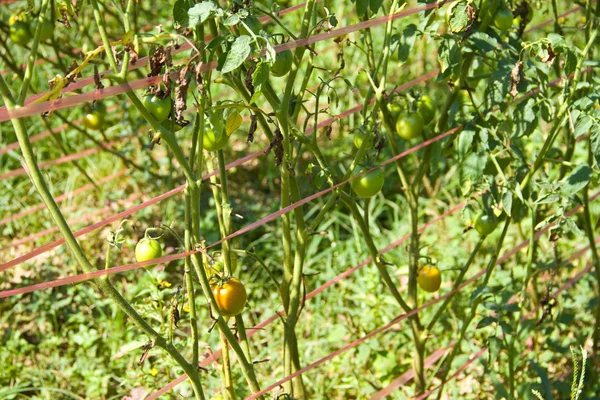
{"points": [[230, 296], [148, 249], [93, 120], [368, 185], [426, 108], [503, 19], [283, 63], [214, 142], [159, 108], [429, 278], [410, 125]]}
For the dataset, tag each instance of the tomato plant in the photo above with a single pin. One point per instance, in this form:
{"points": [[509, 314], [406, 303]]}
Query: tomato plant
{"points": [[283, 63], [485, 223], [410, 125], [230, 295], [159, 108], [368, 185], [429, 278], [148, 249]]}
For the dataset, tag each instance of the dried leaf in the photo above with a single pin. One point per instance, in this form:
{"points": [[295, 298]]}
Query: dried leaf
{"points": [[277, 144], [516, 77]]}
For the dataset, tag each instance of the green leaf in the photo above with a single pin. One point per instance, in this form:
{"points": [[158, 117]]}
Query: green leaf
{"points": [[407, 42], [361, 7], [233, 122], [465, 140], [200, 13], [577, 180], [494, 347], [479, 291], [486, 321], [458, 19], [239, 52], [483, 42], [233, 19], [374, 5], [260, 74], [180, 12]]}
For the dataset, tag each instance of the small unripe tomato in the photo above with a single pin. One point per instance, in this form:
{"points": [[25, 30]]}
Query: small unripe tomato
{"points": [[148, 249], [93, 120], [230, 296], [503, 19], [214, 142], [359, 138], [283, 63], [429, 278], [485, 224], [367, 185], [426, 108], [395, 110], [159, 108], [19, 33], [253, 23], [409, 125]]}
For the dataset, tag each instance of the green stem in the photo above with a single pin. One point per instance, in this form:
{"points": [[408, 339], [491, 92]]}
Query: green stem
{"points": [[188, 276]]}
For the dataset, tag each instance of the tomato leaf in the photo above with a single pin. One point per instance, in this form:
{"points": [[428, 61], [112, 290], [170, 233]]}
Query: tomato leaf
{"points": [[577, 180], [407, 42], [486, 321], [233, 122], [374, 5], [200, 13], [494, 347], [361, 7], [240, 50]]}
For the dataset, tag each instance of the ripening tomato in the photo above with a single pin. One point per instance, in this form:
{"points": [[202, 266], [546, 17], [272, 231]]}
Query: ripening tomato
{"points": [[409, 125], [230, 296], [159, 108], [503, 19], [367, 185], [19, 33], [214, 142], [253, 23], [429, 278], [484, 223], [426, 108], [93, 120], [148, 249], [283, 63]]}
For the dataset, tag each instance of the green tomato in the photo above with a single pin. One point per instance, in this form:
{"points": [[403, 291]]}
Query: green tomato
{"points": [[148, 249], [367, 185], [503, 19], [19, 33], [283, 63], [395, 110], [93, 120], [253, 23], [214, 142], [159, 108], [409, 125], [358, 140], [485, 224], [426, 108], [47, 30]]}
